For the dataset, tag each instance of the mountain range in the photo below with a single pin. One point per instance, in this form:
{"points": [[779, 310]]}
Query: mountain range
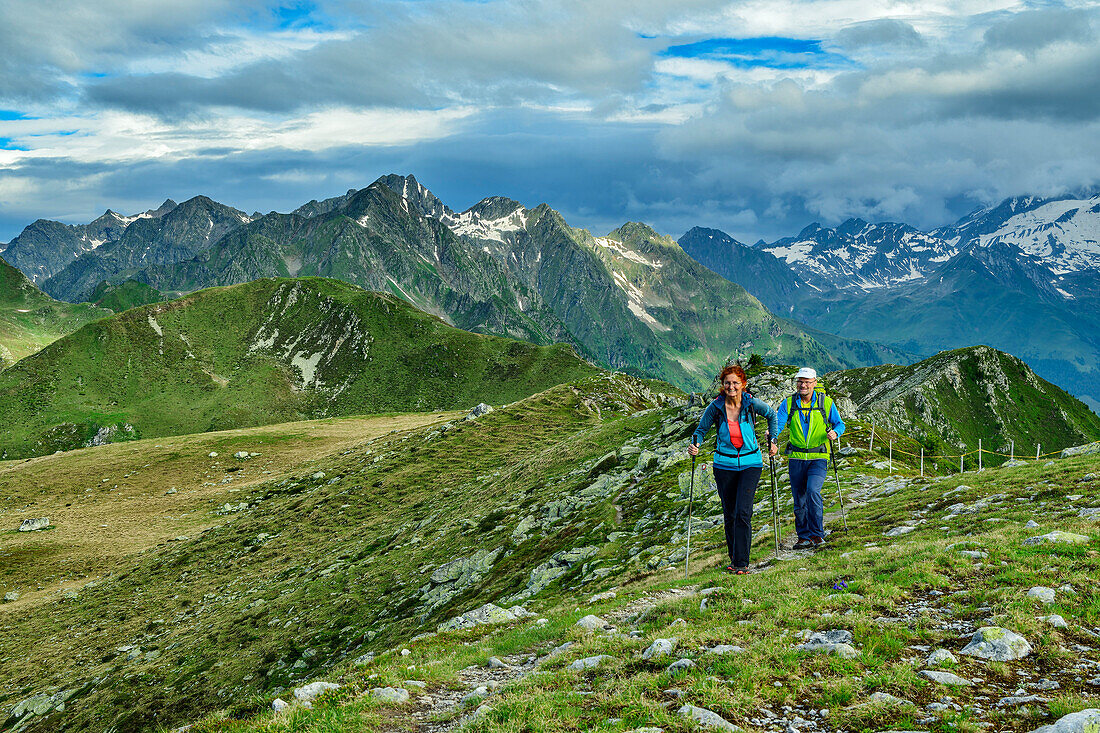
{"points": [[632, 300], [1023, 276]]}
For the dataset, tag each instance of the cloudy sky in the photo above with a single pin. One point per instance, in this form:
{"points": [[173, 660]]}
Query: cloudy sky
{"points": [[755, 117]]}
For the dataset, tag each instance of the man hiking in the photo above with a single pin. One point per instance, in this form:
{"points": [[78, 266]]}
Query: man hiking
{"points": [[814, 422]]}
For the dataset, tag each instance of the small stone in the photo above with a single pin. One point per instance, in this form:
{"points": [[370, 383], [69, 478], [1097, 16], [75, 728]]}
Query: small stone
{"points": [[680, 667], [725, 649], [213, 454], [940, 656], [495, 663], [279, 705], [390, 694], [418, 684], [707, 718], [170, 491], [1015, 700], [885, 698], [946, 678], [899, 531], [241, 455], [318, 476], [1031, 524], [33, 525], [11, 595], [1056, 621], [600, 597]]}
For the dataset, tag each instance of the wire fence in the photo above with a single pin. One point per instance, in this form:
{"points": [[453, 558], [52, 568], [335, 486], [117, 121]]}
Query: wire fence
{"points": [[937, 457]]}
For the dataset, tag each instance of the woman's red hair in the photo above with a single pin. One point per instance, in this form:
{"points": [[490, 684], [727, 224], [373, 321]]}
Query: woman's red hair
{"points": [[733, 369]]}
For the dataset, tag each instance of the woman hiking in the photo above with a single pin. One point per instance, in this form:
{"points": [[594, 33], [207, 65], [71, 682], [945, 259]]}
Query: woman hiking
{"points": [[737, 458]]}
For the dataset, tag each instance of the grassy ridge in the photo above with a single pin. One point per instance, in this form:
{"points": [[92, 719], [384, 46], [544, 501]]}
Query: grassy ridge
{"points": [[31, 320], [259, 353]]}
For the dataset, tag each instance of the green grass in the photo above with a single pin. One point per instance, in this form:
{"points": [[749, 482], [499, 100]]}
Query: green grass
{"points": [[205, 370]]}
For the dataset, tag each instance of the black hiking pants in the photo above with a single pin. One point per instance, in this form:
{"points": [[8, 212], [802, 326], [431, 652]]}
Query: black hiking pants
{"points": [[737, 489]]}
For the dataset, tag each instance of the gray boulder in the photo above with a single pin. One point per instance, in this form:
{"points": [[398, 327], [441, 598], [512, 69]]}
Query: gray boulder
{"points": [[11, 595], [946, 678], [605, 463], [899, 531], [660, 648], [938, 657], [997, 644], [390, 694], [591, 662], [836, 641], [481, 409], [487, 614], [1056, 621], [33, 525], [680, 667], [707, 718], [306, 693], [1042, 594], [1085, 721], [593, 623]]}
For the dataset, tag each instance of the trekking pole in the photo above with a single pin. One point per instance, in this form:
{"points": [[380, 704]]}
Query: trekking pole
{"points": [[775, 505], [839, 493], [691, 496]]}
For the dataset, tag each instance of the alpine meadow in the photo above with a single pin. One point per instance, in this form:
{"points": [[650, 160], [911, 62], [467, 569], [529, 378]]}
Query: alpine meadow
{"points": [[546, 367]]}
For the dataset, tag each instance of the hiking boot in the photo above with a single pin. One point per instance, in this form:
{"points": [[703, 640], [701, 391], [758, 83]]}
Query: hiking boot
{"points": [[803, 544], [817, 542]]}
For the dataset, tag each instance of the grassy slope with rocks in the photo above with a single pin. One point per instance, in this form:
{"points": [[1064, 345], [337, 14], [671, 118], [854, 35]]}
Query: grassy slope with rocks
{"points": [[956, 397], [125, 295], [31, 320], [259, 353], [526, 504]]}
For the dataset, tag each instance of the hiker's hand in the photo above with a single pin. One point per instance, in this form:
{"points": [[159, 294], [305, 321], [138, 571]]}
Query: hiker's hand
{"points": [[773, 449], [832, 435], [693, 450]]}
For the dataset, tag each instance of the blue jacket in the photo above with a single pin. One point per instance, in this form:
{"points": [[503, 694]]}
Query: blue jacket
{"points": [[726, 456]]}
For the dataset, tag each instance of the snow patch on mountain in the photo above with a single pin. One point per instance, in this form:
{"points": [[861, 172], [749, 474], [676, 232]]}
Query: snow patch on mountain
{"points": [[472, 224], [629, 254], [1065, 234]]}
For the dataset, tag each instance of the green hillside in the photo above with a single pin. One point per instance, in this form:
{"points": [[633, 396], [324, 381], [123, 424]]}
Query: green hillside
{"points": [[570, 502], [125, 295], [30, 319], [955, 398], [259, 353]]}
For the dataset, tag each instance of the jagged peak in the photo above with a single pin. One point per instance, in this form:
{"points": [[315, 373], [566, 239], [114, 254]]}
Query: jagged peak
{"points": [[494, 207]]}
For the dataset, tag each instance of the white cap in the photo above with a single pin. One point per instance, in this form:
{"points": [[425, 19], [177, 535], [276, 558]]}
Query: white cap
{"points": [[806, 373]]}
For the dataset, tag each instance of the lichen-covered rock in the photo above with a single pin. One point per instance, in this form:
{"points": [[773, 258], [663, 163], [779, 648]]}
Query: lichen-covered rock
{"points": [[938, 657], [679, 667], [450, 579], [306, 693], [835, 641], [997, 644], [390, 694], [33, 525], [1057, 536], [487, 614], [660, 648], [1042, 594]]}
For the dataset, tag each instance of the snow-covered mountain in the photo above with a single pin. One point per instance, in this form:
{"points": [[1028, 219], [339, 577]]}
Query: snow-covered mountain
{"points": [[1063, 233], [863, 256]]}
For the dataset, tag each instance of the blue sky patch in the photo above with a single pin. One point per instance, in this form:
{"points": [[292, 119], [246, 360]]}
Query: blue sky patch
{"points": [[770, 51], [11, 114]]}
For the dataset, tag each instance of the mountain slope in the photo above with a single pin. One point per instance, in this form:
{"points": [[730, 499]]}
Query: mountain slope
{"points": [[502, 268], [952, 399], [158, 238], [253, 354], [30, 319], [46, 247], [335, 568]]}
